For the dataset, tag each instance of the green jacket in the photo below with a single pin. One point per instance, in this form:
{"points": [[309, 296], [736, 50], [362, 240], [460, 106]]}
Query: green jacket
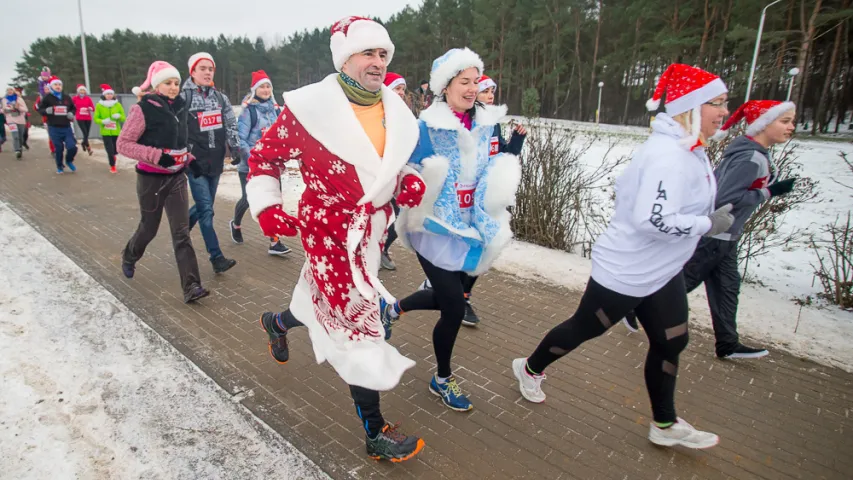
{"points": [[104, 117]]}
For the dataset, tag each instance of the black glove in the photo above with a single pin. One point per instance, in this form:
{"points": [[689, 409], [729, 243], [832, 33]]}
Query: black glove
{"points": [[782, 187], [235, 161], [195, 169], [166, 161]]}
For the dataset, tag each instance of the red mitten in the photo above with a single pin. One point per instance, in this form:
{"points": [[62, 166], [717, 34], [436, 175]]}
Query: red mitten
{"points": [[412, 190], [275, 223]]}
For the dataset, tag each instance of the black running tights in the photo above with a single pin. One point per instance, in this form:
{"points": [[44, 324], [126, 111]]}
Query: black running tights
{"points": [[447, 295], [663, 315]]}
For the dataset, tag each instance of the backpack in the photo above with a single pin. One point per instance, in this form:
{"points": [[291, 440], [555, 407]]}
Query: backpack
{"points": [[253, 115]]}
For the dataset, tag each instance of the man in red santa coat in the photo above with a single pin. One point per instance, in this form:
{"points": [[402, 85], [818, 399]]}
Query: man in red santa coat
{"points": [[352, 137]]}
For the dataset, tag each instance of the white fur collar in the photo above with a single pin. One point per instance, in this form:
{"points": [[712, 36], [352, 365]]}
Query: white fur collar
{"points": [[324, 111], [439, 116]]}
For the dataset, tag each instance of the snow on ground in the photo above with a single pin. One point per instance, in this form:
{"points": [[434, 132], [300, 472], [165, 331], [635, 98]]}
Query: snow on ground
{"points": [[767, 312], [89, 391]]}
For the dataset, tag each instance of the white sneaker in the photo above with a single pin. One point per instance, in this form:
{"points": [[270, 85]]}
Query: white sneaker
{"points": [[529, 385], [425, 285], [682, 433]]}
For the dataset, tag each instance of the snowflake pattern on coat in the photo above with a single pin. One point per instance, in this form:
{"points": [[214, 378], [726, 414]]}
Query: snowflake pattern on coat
{"points": [[327, 206]]}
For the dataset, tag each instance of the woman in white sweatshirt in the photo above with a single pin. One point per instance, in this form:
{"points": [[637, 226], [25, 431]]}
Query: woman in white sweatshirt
{"points": [[664, 204]]}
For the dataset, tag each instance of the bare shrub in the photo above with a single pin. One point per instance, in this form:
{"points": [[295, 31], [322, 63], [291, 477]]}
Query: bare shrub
{"points": [[834, 266], [562, 202]]}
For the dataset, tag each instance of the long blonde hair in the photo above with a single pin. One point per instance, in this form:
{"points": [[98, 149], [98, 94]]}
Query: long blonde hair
{"points": [[691, 121]]}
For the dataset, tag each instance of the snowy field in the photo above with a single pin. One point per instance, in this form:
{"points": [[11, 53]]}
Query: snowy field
{"points": [[768, 314], [88, 391]]}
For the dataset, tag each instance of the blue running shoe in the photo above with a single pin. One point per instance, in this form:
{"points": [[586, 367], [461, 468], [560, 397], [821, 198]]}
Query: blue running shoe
{"points": [[60, 171], [385, 316], [72, 167], [450, 394]]}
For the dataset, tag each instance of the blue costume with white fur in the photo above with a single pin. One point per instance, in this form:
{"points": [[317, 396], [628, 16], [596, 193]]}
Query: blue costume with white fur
{"points": [[451, 161]]}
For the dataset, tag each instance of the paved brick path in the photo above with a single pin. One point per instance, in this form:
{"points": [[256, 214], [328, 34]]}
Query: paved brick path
{"points": [[779, 418]]}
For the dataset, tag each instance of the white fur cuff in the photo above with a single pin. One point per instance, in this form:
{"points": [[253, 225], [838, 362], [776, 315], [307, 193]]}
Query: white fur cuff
{"points": [[262, 192]]}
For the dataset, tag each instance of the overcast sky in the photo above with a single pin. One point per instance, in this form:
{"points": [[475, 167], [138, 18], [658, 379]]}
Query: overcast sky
{"points": [[24, 22]]}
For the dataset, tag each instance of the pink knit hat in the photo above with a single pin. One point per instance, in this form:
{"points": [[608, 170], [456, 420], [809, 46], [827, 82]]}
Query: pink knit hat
{"points": [[158, 73]]}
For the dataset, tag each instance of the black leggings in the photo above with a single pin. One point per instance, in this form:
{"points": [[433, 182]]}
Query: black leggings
{"points": [[366, 401], [448, 296], [110, 147], [85, 126], [242, 204], [663, 315], [392, 232]]}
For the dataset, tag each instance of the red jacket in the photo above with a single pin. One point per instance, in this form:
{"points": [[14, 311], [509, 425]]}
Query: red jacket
{"points": [[85, 107]]}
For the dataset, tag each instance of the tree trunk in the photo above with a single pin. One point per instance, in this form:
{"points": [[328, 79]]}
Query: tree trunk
{"points": [[709, 19], [830, 74], [631, 70], [721, 50], [844, 96], [592, 84], [807, 29], [501, 57]]}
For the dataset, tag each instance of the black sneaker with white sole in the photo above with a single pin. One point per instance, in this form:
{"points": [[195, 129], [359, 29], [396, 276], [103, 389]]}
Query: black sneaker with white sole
{"points": [[222, 264], [236, 233], [742, 351], [471, 319], [630, 322], [279, 249]]}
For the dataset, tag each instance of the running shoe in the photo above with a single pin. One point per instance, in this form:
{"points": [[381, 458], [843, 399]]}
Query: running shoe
{"points": [[529, 385], [277, 338], [450, 394], [393, 445], [222, 264], [196, 293], [682, 433], [279, 249], [471, 319], [742, 351], [236, 233], [19, 154], [425, 285], [128, 269], [72, 167], [386, 315], [386, 262], [113, 169]]}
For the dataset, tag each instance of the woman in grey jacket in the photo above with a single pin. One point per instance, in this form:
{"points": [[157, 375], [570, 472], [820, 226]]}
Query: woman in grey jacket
{"points": [[259, 112]]}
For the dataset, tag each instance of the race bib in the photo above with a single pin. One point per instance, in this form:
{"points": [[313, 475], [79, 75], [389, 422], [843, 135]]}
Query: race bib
{"points": [[110, 126], [84, 111], [180, 156], [13, 127], [60, 110], [494, 146], [211, 120], [465, 195]]}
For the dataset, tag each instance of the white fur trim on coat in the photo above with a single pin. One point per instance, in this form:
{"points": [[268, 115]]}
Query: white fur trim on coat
{"points": [[769, 117], [433, 173], [262, 192], [503, 177], [324, 111]]}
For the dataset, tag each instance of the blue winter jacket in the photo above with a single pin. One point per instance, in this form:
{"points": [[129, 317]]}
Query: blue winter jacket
{"points": [[462, 223], [249, 134]]}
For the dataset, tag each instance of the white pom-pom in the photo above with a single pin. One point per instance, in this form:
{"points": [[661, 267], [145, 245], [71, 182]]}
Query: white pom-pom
{"points": [[720, 135], [652, 104], [136, 91]]}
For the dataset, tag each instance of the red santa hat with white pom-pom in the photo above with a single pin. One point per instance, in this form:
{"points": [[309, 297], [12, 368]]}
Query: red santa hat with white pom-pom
{"points": [[687, 88], [158, 73], [353, 35], [259, 78], [759, 114], [105, 89]]}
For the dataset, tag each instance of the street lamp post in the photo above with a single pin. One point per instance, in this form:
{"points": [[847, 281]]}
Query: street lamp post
{"points": [[598, 110], [793, 73], [757, 46], [83, 44]]}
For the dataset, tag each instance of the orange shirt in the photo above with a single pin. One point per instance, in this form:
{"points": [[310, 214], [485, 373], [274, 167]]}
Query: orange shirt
{"points": [[372, 120]]}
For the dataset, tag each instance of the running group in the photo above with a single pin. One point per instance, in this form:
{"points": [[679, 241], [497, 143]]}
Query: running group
{"points": [[441, 183]]}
